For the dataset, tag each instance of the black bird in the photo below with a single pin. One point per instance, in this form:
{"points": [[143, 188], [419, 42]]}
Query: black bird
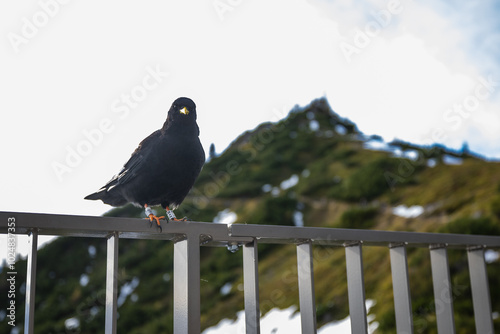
{"points": [[163, 169]]}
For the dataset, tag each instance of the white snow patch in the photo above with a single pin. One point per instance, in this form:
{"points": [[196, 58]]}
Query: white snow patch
{"points": [[412, 155], [377, 145], [225, 216], [298, 218], [491, 256], [431, 163], [94, 310], [290, 182], [340, 129], [267, 188], [408, 212], [226, 288], [92, 251], [287, 321], [126, 290], [72, 323], [314, 125], [449, 160], [408, 154], [84, 280]]}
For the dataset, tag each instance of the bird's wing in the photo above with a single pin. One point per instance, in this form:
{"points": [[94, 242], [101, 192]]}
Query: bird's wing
{"points": [[136, 162]]}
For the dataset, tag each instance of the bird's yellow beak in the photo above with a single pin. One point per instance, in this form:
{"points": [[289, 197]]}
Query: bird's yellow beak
{"points": [[184, 111]]}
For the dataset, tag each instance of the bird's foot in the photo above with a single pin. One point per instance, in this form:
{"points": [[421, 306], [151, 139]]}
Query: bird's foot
{"points": [[185, 219], [152, 217], [171, 216]]}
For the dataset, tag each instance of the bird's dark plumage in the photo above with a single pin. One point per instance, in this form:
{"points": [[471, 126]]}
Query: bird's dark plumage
{"points": [[164, 167]]}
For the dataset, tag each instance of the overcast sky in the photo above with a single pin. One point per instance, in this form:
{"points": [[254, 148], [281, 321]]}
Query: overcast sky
{"points": [[83, 82]]}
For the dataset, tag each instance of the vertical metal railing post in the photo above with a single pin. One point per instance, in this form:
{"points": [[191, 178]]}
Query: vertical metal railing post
{"points": [[29, 313], [401, 289], [480, 290], [443, 296], [356, 288], [111, 283], [306, 287], [187, 285], [251, 287]]}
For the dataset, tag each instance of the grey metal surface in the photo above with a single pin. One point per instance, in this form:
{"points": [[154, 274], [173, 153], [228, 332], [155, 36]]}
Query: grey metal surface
{"points": [[29, 315], [134, 228], [339, 236], [356, 288], [306, 287], [251, 287], [443, 294], [480, 291], [111, 283], [401, 288], [187, 285], [101, 227]]}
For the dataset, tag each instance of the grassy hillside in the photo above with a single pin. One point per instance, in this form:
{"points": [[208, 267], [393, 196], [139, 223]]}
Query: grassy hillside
{"points": [[313, 168]]}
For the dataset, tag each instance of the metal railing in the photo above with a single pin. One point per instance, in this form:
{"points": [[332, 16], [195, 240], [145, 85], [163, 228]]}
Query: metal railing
{"points": [[189, 236]]}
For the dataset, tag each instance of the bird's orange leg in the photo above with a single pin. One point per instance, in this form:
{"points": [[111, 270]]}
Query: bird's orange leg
{"points": [[151, 217], [171, 215]]}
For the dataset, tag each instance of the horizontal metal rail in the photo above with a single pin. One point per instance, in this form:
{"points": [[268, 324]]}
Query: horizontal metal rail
{"points": [[339, 236], [189, 236]]}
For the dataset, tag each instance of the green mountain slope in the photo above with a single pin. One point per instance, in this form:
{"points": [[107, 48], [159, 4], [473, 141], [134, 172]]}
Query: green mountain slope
{"points": [[312, 168]]}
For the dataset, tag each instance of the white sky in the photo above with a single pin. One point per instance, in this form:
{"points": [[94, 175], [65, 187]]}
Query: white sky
{"points": [[70, 67]]}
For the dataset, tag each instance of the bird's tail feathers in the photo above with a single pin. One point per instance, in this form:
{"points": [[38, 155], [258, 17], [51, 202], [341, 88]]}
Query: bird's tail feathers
{"points": [[97, 195], [108, 197]]}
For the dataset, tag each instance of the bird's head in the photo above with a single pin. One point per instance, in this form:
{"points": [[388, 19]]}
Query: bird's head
{"points": [[182, 116], [183, 107]]}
